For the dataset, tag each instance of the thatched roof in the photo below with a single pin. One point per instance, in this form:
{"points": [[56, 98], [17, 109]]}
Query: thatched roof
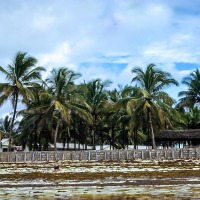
{"points": [[192, 134]]}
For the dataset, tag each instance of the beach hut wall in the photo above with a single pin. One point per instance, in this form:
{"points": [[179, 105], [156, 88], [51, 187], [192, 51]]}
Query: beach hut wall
{"points": [[174, 135]]}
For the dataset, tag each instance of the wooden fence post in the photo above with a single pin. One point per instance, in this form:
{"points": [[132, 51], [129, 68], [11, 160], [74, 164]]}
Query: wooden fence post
{"points": [[16, 157], [63, 156], [172, 154], [149, 154], [181, 153], [142, 154], [25, 157], [40, 157], [189, 155], [33, 156], [157, 154], [196, 153], [134, 154], [165, 154]]}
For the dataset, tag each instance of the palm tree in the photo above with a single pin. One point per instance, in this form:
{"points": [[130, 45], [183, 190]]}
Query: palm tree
{"points": [[151, 83], [35, 124], [192, 96], [190, 119], [65, 99], [5, 124], [117, 119], [95, 95], [22, 77]]}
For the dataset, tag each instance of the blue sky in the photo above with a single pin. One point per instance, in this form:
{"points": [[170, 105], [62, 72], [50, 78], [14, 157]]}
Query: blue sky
{"points": [[103, 39]]}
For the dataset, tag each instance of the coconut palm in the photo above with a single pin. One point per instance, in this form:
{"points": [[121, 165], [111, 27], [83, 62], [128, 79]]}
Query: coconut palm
{"points": [[5, 124], [128, 119], [65, 99], [191, 96], [151, 82], [53, 107], [189, 119], [22, 77], [36, 124], [95, 95], [116, 117]]}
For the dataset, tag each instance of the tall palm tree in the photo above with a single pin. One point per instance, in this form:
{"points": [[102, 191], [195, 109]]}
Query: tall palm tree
{"points": [[35, 123], [22, 77], [95, 96], [117, 119], [65, 99], [130, 119], [191, 96], [151, 82]]}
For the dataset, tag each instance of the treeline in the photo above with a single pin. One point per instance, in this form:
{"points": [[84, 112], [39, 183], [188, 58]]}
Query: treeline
{"points": [[59, 110]]}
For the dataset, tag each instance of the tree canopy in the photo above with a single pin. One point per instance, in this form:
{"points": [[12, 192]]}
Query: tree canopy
{"points": [[60, 109]]}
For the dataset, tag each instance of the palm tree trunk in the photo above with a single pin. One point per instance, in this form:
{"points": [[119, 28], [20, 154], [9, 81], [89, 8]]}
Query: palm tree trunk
{"points": [[74, 137], [95, 130], [79, 145], [86, 140], [56, 134], [134, 138], [152, 132], [46, 141], [35, 146], [68, 140], [102, 141], [0, 143], [113, 137], [39, 140], [123, 133], [13, 119]]}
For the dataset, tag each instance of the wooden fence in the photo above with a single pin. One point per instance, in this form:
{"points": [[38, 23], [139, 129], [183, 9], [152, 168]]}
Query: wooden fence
{"points": [[92, 155]]}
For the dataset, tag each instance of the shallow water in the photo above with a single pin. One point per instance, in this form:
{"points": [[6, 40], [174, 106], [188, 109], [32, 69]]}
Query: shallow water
{"points": [[106, 192], [55, 186]]}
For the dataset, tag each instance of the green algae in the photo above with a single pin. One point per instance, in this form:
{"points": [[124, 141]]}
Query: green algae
{"points": [[101, 175]]}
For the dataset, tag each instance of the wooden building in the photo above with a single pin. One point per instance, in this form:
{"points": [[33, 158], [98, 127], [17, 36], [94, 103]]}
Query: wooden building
{"points": [[189, 137]]}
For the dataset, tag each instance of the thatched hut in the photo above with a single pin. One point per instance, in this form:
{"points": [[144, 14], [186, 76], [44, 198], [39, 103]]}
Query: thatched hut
{"points": [[191, 137]]}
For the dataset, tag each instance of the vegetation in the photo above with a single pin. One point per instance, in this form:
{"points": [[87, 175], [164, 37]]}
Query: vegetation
{"points": [[60, 110]]}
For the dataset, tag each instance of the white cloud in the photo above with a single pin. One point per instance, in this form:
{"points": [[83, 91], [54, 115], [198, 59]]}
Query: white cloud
{"points": [[59, 56], [174, 49], [69, 33], [184, 73]]}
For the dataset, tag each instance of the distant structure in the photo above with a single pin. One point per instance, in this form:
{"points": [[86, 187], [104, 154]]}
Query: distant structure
{"points": [[190, 137]]}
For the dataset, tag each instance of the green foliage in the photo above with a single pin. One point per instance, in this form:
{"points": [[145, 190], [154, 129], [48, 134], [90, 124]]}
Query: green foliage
{"points": [[59, 110], [190, 97]]}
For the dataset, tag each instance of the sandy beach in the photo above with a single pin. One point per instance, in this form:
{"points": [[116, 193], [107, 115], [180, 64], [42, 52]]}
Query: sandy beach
{"points": [[101, 180]]}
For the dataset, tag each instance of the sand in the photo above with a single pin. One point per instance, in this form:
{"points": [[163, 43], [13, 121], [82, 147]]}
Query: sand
{"points": [[175, 179]]}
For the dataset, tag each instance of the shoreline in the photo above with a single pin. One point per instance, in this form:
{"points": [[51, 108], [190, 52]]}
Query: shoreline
{"points": [[126, 179]]}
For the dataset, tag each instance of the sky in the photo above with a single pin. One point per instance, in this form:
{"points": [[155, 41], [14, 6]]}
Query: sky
{"points": [[103, 39]]}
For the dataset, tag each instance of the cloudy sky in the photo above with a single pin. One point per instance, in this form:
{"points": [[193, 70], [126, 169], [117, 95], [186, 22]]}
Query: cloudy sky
{"points": [[103, 39]]}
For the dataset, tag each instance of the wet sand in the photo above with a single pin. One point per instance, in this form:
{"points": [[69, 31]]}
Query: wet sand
{"points": [[178, 179]]}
